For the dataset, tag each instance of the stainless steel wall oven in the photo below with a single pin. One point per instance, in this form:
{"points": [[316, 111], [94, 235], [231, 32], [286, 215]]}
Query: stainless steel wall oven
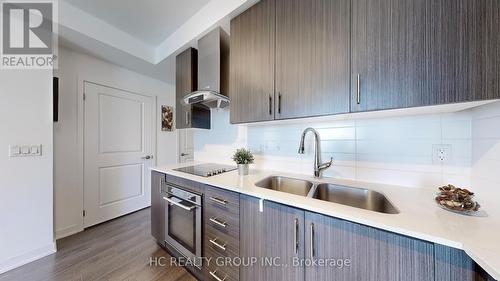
{"points": [[183, 225]]}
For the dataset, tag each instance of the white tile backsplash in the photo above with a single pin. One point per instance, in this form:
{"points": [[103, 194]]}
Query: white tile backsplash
{"points": [[485, 163], [391, 150]]}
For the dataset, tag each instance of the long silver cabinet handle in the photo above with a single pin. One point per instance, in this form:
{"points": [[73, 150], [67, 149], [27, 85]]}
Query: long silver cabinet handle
{"points": [[179, 204], [279, 103], [218, 222], [215, 243], [219, 201], [214, 275], [358, 89], [312, 240], [296, 236]]}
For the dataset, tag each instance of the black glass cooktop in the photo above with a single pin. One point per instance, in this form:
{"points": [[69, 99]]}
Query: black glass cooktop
{"points": [[206, 170]]}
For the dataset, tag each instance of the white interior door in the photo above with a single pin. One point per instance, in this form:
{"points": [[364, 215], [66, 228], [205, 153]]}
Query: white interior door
{"points": [[186, 147], [118, 151]]}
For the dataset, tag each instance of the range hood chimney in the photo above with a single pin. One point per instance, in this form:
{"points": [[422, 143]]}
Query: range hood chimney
{"points": [[213, 71]]}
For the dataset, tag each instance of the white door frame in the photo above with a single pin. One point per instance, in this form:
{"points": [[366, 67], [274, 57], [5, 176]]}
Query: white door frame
{"points": [[81, 136]]}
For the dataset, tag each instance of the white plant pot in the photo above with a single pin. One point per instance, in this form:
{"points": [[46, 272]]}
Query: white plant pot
{"points": [[243, 169]]}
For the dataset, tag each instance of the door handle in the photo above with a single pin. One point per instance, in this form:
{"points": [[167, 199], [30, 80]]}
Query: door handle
{"points": [[184, 154], [312, 240], [296, 236], [179, 204], [147, 157]]}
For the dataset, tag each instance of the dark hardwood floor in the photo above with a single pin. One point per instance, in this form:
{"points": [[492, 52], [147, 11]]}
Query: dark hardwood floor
{"points": [[116, 250]]}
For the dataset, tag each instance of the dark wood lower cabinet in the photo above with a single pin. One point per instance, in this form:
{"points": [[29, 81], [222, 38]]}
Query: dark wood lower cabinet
{"points": [[333, 249], [275, 237], [453, 264], [357, 252], [157, 207], [221, 234], [284, 243]]}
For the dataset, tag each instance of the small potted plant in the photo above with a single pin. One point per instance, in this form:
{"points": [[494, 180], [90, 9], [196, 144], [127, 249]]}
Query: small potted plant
{"points": [[243, 157]]}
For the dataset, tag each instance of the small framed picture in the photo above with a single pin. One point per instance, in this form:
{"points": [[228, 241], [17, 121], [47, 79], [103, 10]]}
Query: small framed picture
{"points": [[167, 118]]}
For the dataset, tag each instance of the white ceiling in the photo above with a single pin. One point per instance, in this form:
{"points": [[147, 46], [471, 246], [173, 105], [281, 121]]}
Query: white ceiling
{"points": [[151, 21], [142, 35]]}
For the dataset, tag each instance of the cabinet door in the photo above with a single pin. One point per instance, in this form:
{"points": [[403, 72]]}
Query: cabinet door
{"points": [[312, 57], [157, 207], [464, 39], [389, 54], [185, 83], [373, 254], [252, 64], [275, 237], [454, 265]]}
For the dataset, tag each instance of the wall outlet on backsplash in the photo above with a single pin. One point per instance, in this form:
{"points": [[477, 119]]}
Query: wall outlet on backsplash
{"points": [[442, 153]]}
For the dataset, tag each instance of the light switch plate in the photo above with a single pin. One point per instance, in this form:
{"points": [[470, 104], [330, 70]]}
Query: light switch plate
{"points": [[25, 149], [16, 150], [36, 150]]}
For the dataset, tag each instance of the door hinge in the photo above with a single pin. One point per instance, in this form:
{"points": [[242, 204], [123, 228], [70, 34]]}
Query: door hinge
{"points": [[83, 96], [84, 213]]}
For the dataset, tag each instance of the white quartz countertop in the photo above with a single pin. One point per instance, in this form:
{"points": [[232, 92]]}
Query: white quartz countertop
{"points": [[419, 215]]}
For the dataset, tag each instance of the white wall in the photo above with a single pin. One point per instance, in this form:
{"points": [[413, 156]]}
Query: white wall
{"points": [[486, 155], [72, 67], [395, 150], [26, 222]]}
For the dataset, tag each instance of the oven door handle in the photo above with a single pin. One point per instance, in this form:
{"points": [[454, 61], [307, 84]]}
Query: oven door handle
{"points": [[179, 204]]}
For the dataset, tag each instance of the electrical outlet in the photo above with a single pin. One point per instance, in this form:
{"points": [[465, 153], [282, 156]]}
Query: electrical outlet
{"points": [[442, 153]]}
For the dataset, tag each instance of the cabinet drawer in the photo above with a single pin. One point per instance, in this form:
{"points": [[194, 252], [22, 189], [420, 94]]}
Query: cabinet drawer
{"points": [[184, 183], [222, 222], [220, 201], [220, 243], [219, 268]]}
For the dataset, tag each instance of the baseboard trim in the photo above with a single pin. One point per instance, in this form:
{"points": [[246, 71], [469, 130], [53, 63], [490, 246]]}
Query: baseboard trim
{"points": [[68, 231], [28, 257]]}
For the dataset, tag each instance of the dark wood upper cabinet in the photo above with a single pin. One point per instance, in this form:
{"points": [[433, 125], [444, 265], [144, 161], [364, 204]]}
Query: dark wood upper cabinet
{"points": [[252, 64], [408, 53], [312, 57], [303, 58], [388, 54], [463, 45], [186, 78]]}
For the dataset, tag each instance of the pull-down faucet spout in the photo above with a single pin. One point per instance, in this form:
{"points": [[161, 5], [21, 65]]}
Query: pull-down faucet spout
{"points": [[318, 166]]}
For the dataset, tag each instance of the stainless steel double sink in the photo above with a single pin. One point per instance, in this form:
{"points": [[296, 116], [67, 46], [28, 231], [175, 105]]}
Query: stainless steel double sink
{"points": [[345, 195]]}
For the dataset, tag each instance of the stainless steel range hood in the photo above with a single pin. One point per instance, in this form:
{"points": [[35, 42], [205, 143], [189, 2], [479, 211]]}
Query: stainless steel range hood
{"points": [[208, 98], [213, 71]]}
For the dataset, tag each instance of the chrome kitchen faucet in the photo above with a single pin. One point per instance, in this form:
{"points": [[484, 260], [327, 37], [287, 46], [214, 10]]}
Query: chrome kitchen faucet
{"points": [[318, 168]]}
